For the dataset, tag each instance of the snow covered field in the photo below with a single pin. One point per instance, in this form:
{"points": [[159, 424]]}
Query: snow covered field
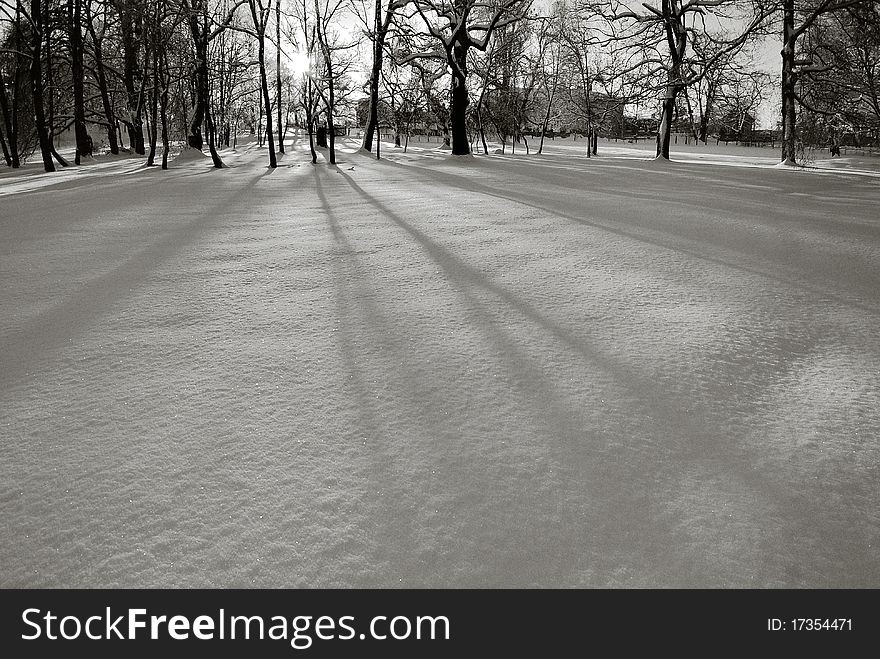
{"points": [[499, 371]]}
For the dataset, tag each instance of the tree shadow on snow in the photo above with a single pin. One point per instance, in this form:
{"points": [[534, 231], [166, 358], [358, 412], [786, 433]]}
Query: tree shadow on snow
{"points": [[628, 228], [623, 525], [58, 325]]}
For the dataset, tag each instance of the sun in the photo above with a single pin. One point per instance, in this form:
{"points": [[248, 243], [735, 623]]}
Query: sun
{"points": [[296, 62]]}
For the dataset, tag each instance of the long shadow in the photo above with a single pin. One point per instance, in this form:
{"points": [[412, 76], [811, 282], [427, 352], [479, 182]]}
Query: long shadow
{"points": [[55, 327], [704, 446], [366, 335], [101, 179], [753, 198], [653, 401], [354, 304], [350, 273], [468, 277], [516, 558], [653, 186], [463, 183]]}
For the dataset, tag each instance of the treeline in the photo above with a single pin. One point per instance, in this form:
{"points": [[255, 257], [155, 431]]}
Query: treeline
{"points": [[138, 75]]}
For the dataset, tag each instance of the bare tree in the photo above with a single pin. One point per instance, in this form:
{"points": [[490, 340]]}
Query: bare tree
{"points": [[77, 74], [512, 75], [731, 86], [403, 88], [131, 15], [205, 24], [837, 74], [458, 26], [260, 13], [797, 18], [662, 34], [304, 32], [37, 25], [97, 22], [161, 23], [377, 28], [13, 78], [549, 61], [282, 125], [333, 63], [233, 58]]}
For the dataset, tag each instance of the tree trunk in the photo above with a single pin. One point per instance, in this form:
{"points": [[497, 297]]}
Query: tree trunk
{"points": [[691, 121], [10, 109], [706, 115], [664, 131], [154, 106], [9, 119], [194, 135], [79, 101], [5, 148], [378, 41], [202, 110], [50, 101], [37, 85], [310, 122], [676, 38], [131, 28], [212, 138], [162, 64], [482, 131], [264, 83], [789, 138], [108, 109], [282, 128], [588, 100], [97, 50], [163, 111], [143, 120], [330, 100], [546, 118], [331, 129], [458, 109], [260, 118]]}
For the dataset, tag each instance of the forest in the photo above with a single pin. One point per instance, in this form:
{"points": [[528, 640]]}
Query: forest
{"points": [[143, 75]]}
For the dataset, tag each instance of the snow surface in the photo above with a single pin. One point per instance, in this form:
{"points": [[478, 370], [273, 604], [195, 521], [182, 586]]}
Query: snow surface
{"points": [[502, 371]]}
